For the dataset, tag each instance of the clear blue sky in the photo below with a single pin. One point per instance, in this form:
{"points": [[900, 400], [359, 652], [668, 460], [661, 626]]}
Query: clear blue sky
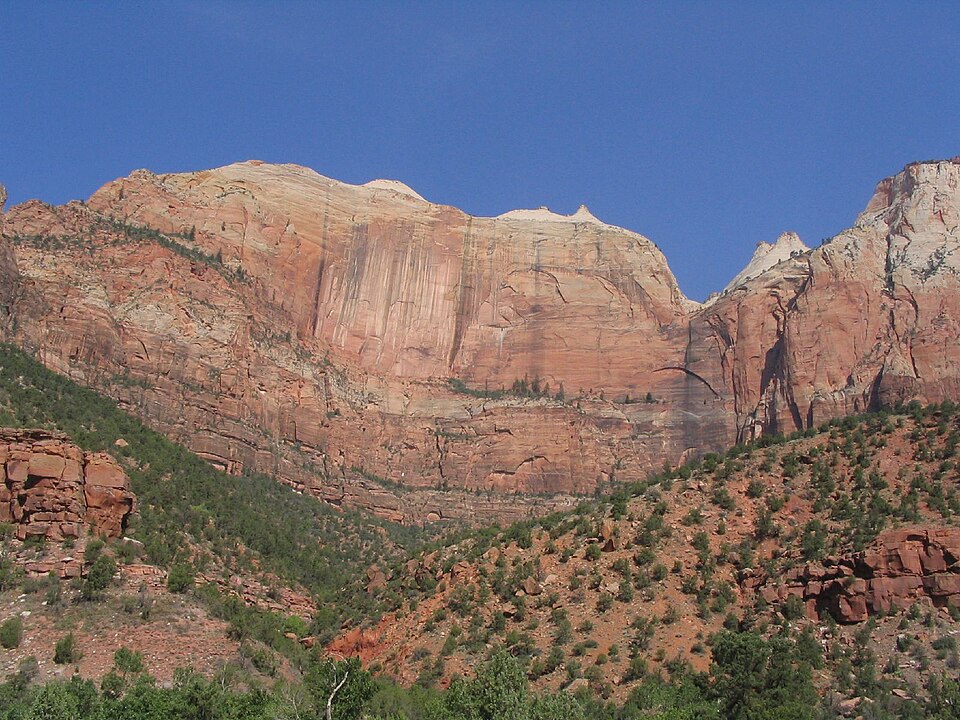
{"points": [[705, 126]]}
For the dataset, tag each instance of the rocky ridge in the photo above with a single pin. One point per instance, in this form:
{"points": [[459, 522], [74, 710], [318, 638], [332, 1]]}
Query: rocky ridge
{"points": [[767, 256]]}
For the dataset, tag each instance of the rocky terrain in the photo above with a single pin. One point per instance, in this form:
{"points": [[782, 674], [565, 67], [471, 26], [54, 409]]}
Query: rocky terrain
{"points": [[849, 534], [834, 553], [902, 568], [375, 349]]}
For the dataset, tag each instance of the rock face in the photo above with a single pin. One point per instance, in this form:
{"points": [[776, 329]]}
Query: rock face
{"points": [[876, 321], [867, 319], [53, 489], [768, 256], [900, 568], [9, 275], [375, 349], [356, 643], [309, 330]]}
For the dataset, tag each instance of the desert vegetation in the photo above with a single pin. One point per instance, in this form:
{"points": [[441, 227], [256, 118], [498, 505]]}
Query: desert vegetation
{"points": [[645, 603]]}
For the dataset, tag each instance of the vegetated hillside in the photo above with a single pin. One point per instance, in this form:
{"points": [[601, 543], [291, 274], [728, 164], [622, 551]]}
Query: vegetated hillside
{"points": [[191, 513], [130, 629], [781, 533]]}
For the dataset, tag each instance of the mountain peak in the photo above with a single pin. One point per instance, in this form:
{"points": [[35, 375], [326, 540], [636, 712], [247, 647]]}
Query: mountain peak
{"points": [[767, 255], [545, 214], [394, 186]]}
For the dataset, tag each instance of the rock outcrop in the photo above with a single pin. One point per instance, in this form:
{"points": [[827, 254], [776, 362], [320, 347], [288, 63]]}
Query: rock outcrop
{"points": [[356, 643], [52, 489], [900, 568], [372, 348]]}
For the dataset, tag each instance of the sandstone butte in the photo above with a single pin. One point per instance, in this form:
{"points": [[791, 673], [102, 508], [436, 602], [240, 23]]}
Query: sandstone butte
{"points": [[309, 329]]}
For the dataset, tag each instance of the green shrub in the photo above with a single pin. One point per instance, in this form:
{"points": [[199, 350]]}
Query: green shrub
{"points": [[11, 633], [98, 577], [9, 574], [181, 578], [111, 685], [261, 657], [755, 488], [93, 550], [66, 650], [793, 608], [128, 661]]}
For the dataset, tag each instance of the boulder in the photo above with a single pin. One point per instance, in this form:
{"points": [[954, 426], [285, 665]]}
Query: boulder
{"points": [[608, 535], [531, 586]]}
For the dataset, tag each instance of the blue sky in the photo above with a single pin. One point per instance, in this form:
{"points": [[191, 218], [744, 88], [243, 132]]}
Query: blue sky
{"points": [[705, 126]]}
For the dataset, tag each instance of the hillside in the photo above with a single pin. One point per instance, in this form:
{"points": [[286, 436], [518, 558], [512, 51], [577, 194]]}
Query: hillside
{"points": [[189, 512], [374, 349], [848, 535], [650, 603]]}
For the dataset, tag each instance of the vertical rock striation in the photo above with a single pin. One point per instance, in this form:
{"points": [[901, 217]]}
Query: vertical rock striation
{"points": [[373, 348]]}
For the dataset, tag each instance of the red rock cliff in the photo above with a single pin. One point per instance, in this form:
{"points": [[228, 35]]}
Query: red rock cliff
{"points": [[309, 328]]}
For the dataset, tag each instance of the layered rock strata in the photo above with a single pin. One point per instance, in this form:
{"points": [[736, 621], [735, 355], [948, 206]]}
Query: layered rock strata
{"points": [[375, 349], [52, 489]]}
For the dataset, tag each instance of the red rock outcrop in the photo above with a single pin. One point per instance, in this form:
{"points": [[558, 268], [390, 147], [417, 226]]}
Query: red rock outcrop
{"points": [[900, 568], [53, 489], [356, 643], [307, 328]]}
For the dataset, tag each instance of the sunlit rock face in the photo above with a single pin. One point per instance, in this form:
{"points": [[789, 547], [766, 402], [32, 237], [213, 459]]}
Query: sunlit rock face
{"points": [[876, 322], [50, 488], [361, 343]]}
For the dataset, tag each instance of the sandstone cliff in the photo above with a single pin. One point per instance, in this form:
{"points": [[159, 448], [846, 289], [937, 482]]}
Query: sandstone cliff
{"points": [[865, 320], [310, 329]]}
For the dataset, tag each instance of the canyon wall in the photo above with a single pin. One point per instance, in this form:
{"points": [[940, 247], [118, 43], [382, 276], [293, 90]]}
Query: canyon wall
{"points": [[375, 349], [870, 318]]}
